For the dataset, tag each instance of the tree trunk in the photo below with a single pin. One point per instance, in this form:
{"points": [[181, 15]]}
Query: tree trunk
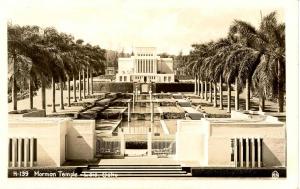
{"points": [[221, 93], [43, 91], [205, 90], [261, 103], [69, 91], [88, 81], [30, 93], [14, 95], [280, 88], [83, 76], [195, 85], [215, 94], [237, 100], [62, 107], [198, 86], [228, 98], [247, 94], [79, 87], [210, 92], [92, 83], [74, 88], [201, 92], [53, 95]]}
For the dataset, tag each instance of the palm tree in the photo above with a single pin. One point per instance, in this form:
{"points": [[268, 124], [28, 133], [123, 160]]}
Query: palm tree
{"points": [[52, 40], [79, 55], [41, 58], [197, 56], [200, 53], [17, 61], [191, 68], [210, 92], [231, 72], [97, 62], [265, 65], [205, 74], [66, 47], [272, 46], [29, 58], [222, 48], [248, 63]]}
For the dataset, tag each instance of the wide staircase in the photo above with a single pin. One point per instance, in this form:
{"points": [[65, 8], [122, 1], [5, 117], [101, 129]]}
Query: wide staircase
{"points": [[136, 171]]}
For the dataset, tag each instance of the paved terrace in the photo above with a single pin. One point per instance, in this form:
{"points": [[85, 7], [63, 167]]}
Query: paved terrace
{"points": [[206, 106]]}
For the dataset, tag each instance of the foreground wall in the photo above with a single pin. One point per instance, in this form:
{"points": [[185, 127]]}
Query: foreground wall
{"points": [[192, 141], [81, 140], [49, 134], [57, 140], [273, 142], [213, 140]]}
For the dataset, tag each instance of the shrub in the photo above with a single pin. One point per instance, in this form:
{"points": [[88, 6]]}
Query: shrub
{"points": [[174, 87], [136, 145], [113, 87]]}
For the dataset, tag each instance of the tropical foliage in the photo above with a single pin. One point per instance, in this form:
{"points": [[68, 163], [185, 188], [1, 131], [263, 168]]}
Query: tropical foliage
{"points": [[38, 58], [251, 58]]}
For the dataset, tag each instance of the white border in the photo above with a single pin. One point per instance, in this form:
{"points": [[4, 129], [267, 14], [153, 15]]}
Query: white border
{"points": [[292, 23]]}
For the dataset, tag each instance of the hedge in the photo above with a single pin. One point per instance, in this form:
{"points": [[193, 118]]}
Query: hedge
{"points": [[136, 145], [174, 87], [128, 87], [113, 87]]}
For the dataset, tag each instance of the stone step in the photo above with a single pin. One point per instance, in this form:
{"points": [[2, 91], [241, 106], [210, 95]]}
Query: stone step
{"points": [[134, 169], [134, 166], [134, 172], [139, 175]]}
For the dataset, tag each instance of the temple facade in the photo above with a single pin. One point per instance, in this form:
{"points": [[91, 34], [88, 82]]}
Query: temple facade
{"points": [[145, 66]]}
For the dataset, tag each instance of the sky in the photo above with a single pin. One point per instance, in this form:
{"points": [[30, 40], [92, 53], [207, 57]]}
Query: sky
{"points": [[170, 25]]}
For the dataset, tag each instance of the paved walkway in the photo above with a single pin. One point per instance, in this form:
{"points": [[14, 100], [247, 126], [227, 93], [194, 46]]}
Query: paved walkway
{"points": [[139, 161]]}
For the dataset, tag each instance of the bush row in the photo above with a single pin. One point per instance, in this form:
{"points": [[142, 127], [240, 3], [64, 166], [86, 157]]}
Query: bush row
{"points": [[174, 87], [128, 87], [113, 87]]}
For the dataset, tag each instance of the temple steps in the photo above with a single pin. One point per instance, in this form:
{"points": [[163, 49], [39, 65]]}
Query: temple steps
{"points": [[135, 171]]}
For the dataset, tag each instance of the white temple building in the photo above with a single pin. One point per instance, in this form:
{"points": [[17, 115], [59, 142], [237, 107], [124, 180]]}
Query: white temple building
{"points": [[145, 66]]}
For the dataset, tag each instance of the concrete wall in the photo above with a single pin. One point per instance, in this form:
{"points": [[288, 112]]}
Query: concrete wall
{"points": [[58, 139], [263, 130], [219, 151], [48, 132], [273, 152], [81, 140], [192, 141], [197, 140], [63, 143], [273, 146], [36, 113]]}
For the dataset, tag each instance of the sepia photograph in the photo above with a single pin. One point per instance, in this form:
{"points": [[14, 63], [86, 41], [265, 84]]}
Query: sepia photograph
{"points": [[159, 90]]}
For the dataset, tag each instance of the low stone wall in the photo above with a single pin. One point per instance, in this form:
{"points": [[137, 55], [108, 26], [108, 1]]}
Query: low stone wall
{"points": [[37, 113]]}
